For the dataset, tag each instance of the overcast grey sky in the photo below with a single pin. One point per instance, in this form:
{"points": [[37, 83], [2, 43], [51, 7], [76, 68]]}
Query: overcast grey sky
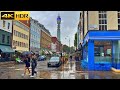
{"points": [[68, 25]]}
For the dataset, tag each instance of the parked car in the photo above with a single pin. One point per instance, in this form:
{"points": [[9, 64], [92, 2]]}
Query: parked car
{"points": [[54, 61], [42, 58]]}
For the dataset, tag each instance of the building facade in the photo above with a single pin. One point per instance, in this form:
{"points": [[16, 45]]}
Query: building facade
{"points": [[57, 46], [5, 38], [45, 40], [35, 32], [100, 39], [21, 32]]}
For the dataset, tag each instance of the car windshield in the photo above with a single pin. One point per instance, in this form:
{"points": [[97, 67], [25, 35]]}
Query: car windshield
{"points": [[54, 59]]}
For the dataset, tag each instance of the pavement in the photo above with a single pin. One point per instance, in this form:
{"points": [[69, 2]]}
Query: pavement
{"points": [[71, 70]]}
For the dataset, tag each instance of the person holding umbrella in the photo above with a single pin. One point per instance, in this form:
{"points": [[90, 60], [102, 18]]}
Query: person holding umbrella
{"points": [[27, 65]]}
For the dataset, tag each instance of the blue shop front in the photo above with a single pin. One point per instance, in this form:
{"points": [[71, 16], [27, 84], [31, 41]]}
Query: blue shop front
{"points": [[101, 50]]}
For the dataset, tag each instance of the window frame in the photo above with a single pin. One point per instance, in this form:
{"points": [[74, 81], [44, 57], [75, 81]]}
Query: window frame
{"points": [[3, 38], [8, 39]]}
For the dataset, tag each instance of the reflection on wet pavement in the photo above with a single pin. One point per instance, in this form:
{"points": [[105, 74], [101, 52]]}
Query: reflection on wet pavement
{"points": [[70, 70]]}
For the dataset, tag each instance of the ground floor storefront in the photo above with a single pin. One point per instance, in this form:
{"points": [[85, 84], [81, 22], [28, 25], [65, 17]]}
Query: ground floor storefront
{"points": [[6, 53], [101, 50]]}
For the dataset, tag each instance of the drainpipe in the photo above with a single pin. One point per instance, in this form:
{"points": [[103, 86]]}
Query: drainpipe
{"points": [[83, 24], [87, 22]]}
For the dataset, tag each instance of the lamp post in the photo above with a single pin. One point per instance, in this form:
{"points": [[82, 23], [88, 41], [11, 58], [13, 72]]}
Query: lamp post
{"points": [[69, 46]]}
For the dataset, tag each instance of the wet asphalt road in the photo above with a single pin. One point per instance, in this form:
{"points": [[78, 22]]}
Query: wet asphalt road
{"points": [[68, 71]]}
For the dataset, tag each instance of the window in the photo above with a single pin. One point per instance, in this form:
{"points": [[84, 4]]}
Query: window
{"points": [[22, 35], [20, 44], [102, 51], [27, 37], [13, 42], [24, 44], [8, 39], [14, 32], [100, 15], [8, 25], [118, 20], [102, 20], [18, 34], [118, 27], [118, 14], [3, 23], [16, 43], [3, 38]]}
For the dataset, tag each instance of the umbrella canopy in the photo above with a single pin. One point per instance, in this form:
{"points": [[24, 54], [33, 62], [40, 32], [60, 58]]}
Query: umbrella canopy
{"points": [[26, 53]]}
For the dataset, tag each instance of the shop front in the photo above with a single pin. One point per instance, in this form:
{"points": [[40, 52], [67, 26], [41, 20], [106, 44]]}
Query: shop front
{"points": [[6, 53], [101, 50]]}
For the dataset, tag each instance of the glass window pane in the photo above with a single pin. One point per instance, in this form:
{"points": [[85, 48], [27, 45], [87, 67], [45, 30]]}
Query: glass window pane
{"points": [[102, 27], [118, 15], [3, 38], [118, 21], [118, 27], [8, 39], [105, 22]]}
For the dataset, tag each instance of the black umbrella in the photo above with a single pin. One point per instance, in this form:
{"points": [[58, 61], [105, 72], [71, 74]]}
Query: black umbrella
{"points": [[26, 53]]}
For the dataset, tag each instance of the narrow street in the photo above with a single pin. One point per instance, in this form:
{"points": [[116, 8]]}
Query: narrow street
{"points": [[67, 71]]}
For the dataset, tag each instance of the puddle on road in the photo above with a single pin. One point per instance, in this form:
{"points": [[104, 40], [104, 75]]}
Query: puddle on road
{"points": [[19, 69], [45, 74], [11, 67]]}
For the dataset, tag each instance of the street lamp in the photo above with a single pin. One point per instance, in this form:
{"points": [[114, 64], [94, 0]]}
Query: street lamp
{"points": [[69, 46]]}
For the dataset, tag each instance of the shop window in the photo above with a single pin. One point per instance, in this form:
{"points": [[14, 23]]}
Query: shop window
{"points": [[102, 51]]}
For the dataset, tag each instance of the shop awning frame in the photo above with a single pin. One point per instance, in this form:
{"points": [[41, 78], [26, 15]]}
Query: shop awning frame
{"points": [[6, 49]]}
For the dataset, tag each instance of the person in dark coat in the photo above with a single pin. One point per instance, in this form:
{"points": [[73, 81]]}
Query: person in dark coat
{"points": [[27, 65], [33, 65]]}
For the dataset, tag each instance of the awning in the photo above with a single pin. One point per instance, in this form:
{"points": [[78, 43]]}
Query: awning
{"points": [[6, 49]]}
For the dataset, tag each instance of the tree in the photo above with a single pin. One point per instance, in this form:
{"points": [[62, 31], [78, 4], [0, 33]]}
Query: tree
{"points": [[75, 40], [65, 48]]}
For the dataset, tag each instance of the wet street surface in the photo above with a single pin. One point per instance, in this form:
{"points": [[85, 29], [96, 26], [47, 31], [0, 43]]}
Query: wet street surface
{"points": [[70, 70]]}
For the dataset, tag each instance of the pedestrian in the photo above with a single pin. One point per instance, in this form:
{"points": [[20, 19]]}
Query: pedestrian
{"points": [[33, 65], [27, 65], [70, 57]]}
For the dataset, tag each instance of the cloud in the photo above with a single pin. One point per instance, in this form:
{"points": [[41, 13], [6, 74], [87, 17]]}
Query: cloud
{"points": [[68, 24]]}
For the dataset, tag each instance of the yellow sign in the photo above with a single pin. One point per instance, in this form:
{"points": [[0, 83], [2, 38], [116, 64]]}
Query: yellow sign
{"points": [[16, 15], [23, 15]]}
